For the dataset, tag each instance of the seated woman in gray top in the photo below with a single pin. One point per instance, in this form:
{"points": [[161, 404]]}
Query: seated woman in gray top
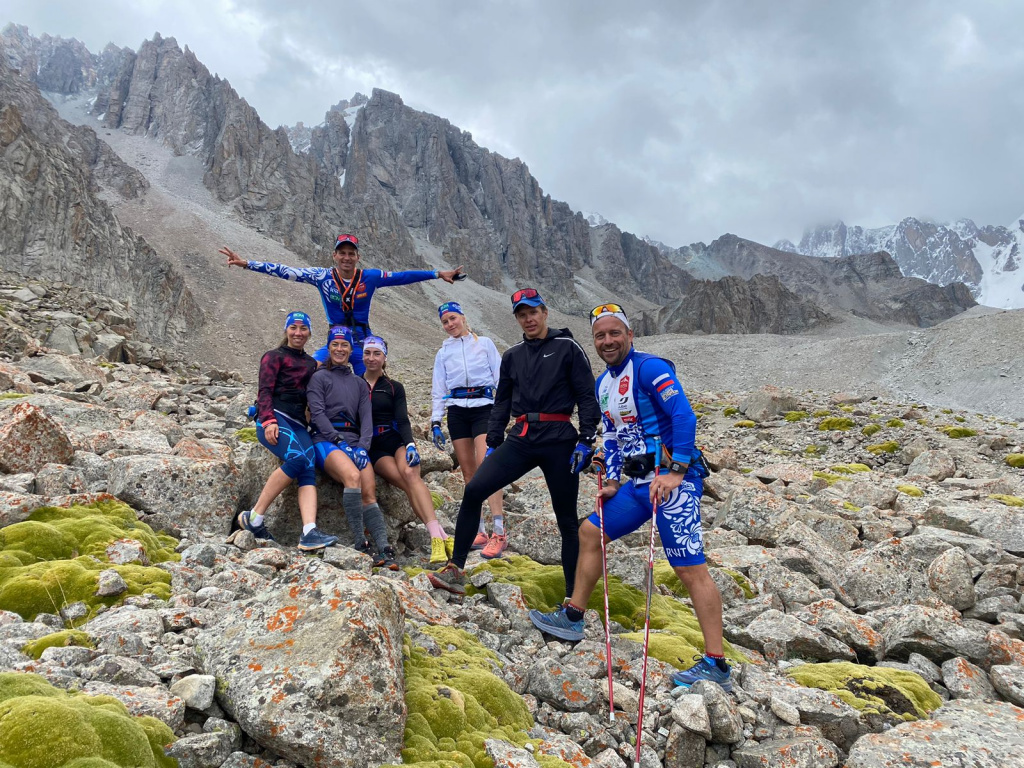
{"points": [[342, 425]]}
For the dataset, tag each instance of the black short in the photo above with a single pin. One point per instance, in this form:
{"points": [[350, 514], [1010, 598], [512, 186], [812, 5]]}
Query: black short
{"points": [[385, 445], [468, 422]]}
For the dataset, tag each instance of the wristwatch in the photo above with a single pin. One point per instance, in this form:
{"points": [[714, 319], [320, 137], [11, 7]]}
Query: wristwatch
{"points": [[675, 466]]}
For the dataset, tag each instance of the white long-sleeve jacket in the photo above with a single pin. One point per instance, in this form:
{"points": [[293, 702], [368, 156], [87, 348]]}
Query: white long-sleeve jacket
{"points": [[463, 362]]}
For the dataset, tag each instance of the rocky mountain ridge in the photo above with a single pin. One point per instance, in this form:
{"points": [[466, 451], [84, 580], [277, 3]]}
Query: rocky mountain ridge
{"points": [[420, 188], [987, 259]]}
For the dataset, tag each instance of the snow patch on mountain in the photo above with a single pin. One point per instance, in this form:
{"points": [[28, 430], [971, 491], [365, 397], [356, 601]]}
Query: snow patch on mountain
{"points": [[594, 219]]}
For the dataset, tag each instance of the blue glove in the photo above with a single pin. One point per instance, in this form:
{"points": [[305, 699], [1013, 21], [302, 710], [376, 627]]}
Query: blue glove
{"points": [[581, 458], [438, 437], [412, 456], [361, 458], [488, 452]]}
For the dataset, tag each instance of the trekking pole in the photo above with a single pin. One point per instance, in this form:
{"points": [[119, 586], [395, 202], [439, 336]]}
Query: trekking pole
{"points": [[647, 614], [607, 618]]}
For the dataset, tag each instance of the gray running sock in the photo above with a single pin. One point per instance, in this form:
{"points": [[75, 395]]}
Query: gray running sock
{"points": [[374, 519], [352, 500]]}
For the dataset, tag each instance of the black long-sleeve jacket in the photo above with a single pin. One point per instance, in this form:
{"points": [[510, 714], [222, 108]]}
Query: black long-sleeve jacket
{"points": [[549, 375]]}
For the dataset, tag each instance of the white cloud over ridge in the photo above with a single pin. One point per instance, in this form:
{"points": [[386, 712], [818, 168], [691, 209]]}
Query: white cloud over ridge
{"points": [[677, 121]]}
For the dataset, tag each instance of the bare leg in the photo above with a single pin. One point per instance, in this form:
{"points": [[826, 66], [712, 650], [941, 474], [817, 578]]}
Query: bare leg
{"points": [[465, 452], [307, 504], [368, 485], [341, 469], [397, 472], [276, 483], [494, 501], [588, 567], [707, 604]]}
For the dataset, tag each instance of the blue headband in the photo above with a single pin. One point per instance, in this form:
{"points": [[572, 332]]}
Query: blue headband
{"points": [[449, 306], [340, 332], [298, 317]]}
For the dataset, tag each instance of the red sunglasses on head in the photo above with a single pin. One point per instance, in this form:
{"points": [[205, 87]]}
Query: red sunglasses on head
{"points": [[525, 293], [347, 239]]}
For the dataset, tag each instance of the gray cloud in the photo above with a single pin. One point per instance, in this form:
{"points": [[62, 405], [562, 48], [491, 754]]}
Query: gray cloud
{"points": [[677, 121]]}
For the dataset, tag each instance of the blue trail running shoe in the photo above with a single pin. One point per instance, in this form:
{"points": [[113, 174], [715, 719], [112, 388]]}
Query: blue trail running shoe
{"points": [[703, 670], [316, 540], [558, 624], [259, 531]]}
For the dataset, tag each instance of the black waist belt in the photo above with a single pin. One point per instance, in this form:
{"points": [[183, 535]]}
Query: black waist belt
{"points": [[638, 466], [470, 392]]}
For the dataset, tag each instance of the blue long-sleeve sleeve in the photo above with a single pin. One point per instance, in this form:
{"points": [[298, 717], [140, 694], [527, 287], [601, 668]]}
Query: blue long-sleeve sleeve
{"points": [[405, 277], [676, 419]]}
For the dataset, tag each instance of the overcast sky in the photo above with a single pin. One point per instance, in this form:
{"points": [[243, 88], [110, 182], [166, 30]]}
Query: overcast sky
{"points": [[681, 121]]}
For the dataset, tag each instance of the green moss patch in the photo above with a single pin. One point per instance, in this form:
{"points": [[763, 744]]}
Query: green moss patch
{"points": [[828, 477], [870, 430], [731, 411], [910, 490], [46, 727], [889, 446], [846, 408], [745, 424], [456, 701], [821, 414], [815, 450], [60, 639], [895, 423], [1015, 460], [895, 694], [835, 424], [246, 435], [55, 557], [11, 396], [1010, 501], [850, 469], [958, 432], [675, 633], [792, 416]]}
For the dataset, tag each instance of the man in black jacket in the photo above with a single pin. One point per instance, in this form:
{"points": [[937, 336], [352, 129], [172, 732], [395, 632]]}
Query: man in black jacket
{"points": [[542, 379]]}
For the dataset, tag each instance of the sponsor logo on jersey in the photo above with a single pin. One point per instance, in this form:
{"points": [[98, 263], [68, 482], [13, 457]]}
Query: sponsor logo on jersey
{"points": [[604, 403], [670, 392], [627, 417], [624, 385]]}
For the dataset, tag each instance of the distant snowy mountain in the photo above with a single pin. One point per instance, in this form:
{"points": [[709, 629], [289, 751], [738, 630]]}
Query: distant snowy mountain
{"points": [[595, 219], [987, 259]]}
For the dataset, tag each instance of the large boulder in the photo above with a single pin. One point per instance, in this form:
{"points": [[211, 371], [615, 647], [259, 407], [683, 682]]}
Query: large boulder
{"points": [[192, 492], [767, 403], [936, 465], [936, 634], [1003, 525], [886, 574], [791, 636], [950, 577], [981, 734], [30, 439], [311, 668]]}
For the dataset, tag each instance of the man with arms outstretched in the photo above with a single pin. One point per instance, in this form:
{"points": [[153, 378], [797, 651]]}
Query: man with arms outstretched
{"points": [[644, 409]]}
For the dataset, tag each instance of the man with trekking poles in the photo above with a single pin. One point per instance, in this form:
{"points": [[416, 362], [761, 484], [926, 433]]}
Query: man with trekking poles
{"points": [[649, 436]]}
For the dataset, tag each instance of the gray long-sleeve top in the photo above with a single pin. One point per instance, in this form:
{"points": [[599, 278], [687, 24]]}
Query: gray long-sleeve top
{"points": [[336, 395]]}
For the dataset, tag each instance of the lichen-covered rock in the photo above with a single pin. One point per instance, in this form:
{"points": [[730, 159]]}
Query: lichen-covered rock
{"points": [[1003, 525], [46, 727], [950, 577], [201, 750], [561, 686], [338, 703], [768, 403], [840, 622], [799, 639], [725, 720], [935, 465], [196, 691], [64, 638], [193, 492], [798, 752], [1008, 680], [985, 734], [964, 680], [30, 438], [505, 755], [886, 574], [934, 634], [151, 701], [683, 748]]}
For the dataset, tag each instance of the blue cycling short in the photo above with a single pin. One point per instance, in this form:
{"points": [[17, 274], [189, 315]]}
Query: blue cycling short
{"points": [[678, 518], [294, 448], [325, 449]]}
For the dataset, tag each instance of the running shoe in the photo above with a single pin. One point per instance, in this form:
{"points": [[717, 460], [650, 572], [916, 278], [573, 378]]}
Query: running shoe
{"points": [[386, 559], [438, 551], [495, 546], [480, 541], [316, 540], [259, 531], [451, 578], [703, 670], [558, 624]]}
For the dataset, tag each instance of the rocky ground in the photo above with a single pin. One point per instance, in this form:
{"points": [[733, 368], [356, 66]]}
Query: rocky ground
{"points": [[870, 554]]}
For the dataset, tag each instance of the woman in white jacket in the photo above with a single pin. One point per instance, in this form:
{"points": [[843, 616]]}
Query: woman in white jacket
{"points": [[465, 377]]}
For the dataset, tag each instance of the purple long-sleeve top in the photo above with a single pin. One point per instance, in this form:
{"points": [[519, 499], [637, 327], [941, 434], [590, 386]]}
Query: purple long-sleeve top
{"points": [[337, 396]]}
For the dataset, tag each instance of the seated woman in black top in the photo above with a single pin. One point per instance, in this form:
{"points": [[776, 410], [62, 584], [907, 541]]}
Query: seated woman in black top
{"points": [[392, 449]]}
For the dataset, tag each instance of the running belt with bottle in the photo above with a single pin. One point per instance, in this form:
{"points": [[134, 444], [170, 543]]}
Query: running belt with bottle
{"points": [[465, 374]]}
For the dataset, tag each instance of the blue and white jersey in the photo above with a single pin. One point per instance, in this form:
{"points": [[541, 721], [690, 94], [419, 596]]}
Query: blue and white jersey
{"points": [[331, 293], [641, 399]]}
